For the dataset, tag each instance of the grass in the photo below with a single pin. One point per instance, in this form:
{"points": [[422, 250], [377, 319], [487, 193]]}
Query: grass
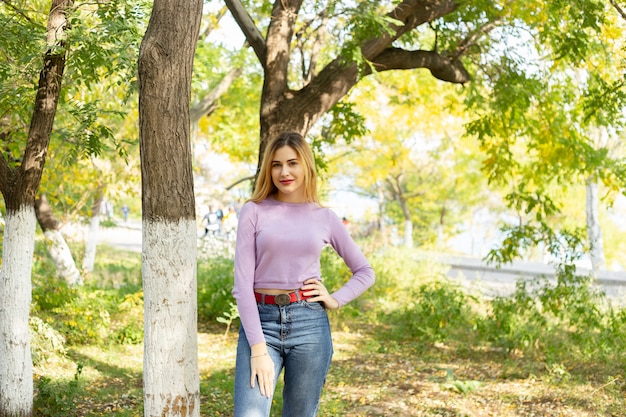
{"points": [[371, 375], [392, 358]]}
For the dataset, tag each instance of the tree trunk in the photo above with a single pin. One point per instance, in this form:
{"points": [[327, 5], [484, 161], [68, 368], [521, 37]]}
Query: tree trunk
{"points": [[594, 233], [408, 223], [91, 243], [16, 366], [19, 185], [171, 377], [382, 225], [56, 244]]}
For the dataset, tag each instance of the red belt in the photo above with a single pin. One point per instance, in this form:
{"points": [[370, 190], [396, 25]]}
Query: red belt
{"points": [[281, 299]]}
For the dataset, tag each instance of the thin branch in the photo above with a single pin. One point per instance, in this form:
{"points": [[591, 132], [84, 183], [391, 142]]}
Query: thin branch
{"points": [[473, 38], [618, 8], [239, 181], [213, 24], [249, 29], [20, 13], [207, 104]]}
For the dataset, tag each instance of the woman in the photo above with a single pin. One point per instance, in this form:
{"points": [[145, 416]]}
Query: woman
{"points": [[280, 295]]}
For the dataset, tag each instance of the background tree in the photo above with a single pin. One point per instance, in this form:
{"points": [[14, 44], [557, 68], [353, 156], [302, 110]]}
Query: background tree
{"points": [[19, 181], [171, 380], [414, 156], [27, 116], [57, 248], [535, 127]]}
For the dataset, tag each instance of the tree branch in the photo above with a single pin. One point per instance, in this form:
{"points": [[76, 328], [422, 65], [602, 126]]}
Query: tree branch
{"points": [[249, 29], [5, 173], [213, 24], [412, 13], [279, 35], [473, 38], [207, 104], [619, 9], [441, 67], [239, 181], [20, 13]]}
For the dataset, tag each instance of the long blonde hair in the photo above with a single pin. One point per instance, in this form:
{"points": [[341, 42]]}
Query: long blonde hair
{"points": [[265, 187]]}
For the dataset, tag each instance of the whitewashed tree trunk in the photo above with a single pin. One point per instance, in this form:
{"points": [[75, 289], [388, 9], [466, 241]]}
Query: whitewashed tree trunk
{"points": [[594, 233], [171, 377], [56, 245], [169, 242], [408, 233], [382, 226], [62, 257], [16, 367], [91, 243], [19, 184]]}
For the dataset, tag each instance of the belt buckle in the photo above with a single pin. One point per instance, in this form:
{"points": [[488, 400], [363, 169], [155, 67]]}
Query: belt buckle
{"points": [[282, 299]]}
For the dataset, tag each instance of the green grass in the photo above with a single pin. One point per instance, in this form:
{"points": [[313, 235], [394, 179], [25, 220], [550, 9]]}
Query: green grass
{"points": [[414, 345]]}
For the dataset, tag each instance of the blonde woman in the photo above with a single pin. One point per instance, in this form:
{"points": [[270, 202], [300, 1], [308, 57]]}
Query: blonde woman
{"points": [[280, 295]]}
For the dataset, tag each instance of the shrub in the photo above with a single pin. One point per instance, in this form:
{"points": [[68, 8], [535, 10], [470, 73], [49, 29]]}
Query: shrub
{"points": [[439, 311], [45, 341], [215, 285], [563, 320]]}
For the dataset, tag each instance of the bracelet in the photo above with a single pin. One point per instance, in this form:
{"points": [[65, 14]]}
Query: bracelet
{"points": [[258, 356]]}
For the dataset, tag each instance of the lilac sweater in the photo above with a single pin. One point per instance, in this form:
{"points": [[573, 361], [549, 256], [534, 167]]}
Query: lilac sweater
{"points": [[279, 246]]}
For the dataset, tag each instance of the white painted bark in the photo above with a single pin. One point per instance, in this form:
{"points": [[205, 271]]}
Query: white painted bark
{"points": [[594, 232], [171, 377], [62, 257], [16, 367], [408, 234], [91, 244]]}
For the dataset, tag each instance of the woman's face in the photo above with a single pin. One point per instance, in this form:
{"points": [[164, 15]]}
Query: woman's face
{"points": [[288, 175]]}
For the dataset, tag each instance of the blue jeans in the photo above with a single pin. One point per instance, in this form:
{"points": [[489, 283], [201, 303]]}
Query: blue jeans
{"points": [[299, 341]]}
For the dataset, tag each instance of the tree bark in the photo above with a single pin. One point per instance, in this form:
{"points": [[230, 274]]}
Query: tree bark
{"points": [[57, 247], [19, 185], [171, 376]]}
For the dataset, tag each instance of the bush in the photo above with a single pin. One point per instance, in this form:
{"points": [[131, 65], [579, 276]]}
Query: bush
{"points": [[45, 341], [564, 320], [215, 285], [439, 311], [88, 315]]}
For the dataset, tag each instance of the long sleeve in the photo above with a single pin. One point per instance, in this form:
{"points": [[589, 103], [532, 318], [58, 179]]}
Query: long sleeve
{"points": [[245, 266]]}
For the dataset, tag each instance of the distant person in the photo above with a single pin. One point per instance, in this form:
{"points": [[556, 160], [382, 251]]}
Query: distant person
{"points": [[125, 211], [278, 287], [212, 223], [220, 219]]}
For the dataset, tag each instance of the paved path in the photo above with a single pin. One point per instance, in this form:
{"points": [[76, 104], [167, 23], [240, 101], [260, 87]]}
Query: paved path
{"points": [[127, 237], [476, 274]]}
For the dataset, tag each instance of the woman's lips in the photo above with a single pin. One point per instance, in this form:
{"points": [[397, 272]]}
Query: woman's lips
{"points": [[286, 182]]}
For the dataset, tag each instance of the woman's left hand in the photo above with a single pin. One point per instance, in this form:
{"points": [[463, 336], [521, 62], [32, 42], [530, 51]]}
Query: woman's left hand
{"points": [[314, 288]]}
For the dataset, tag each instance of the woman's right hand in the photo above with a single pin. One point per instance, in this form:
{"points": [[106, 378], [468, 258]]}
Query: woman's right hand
{"points": [[262, 369]]}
